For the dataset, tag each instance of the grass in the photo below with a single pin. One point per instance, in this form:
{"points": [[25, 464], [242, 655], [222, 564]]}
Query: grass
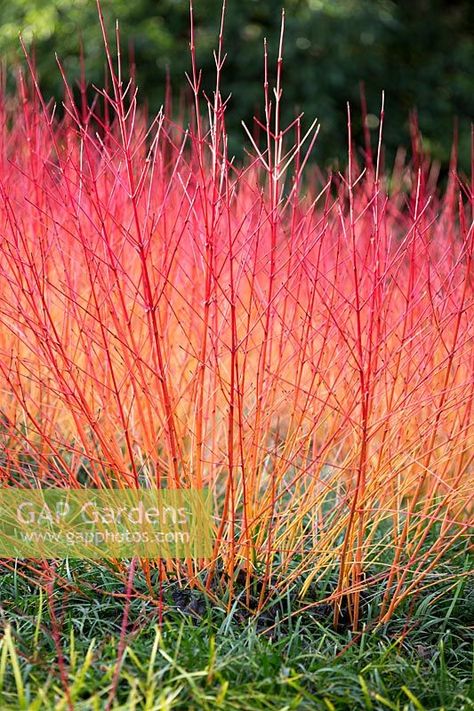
{"points": [[212, 659]]}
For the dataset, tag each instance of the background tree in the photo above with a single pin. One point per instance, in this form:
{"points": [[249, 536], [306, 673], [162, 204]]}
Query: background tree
{"points": [[420, 51]]}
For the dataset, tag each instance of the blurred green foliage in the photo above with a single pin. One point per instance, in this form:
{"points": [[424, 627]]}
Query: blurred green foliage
{"points": [[419, 51]]}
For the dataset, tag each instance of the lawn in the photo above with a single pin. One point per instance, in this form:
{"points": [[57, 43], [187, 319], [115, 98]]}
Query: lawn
{"points": [[197, 656]]}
